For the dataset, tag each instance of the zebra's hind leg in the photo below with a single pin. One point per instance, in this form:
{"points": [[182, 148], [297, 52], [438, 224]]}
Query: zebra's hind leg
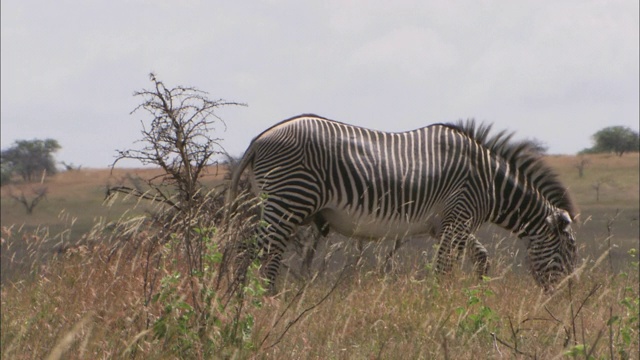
{"points": [[271, 269], [271, 258], [445, 259], [478, 252], [246, 252], [275, 230], [453, 235], [453, 240], [310, 254]]}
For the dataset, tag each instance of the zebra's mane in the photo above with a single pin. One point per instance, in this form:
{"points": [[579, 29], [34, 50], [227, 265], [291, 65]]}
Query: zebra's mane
{"points": [[523, 157]]}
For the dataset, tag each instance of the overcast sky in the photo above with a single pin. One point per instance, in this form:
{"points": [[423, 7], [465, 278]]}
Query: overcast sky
{"points": [[557, 71]]}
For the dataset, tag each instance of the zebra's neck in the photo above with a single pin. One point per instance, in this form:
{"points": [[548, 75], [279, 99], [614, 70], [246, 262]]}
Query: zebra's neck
{"points": [[518, 205]]}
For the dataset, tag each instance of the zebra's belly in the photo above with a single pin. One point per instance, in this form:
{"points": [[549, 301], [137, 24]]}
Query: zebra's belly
{"points": [[371, 227]]}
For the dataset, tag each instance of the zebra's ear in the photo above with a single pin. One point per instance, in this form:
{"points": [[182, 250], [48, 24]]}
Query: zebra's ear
{"points": [[560, 221]]}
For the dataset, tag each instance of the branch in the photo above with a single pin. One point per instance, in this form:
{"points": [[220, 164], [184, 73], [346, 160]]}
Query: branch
{"points": [[41, 193], [294, 321], [176, 138], [143, 195], [495, 337], [593, 291]]}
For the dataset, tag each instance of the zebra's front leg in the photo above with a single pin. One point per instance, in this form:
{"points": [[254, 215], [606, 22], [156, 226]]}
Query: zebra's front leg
{"points": [[455, 235], [446, 256], [480, 257], [457, 245]]}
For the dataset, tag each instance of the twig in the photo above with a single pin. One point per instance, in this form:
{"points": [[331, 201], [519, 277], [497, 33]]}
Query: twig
{"points": [[551, 314], [495, 344], [445, 347], [610, 332], [300, 292], [584, 339], [573, 317], [610, 236], [566, 331], [294, 321], [142, 195], [593, 347], [514, 334], [496, 338], [593, 291]]}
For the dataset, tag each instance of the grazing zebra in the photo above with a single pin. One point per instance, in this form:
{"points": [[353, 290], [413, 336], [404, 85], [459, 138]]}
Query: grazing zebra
{"points": [[444, 180]]}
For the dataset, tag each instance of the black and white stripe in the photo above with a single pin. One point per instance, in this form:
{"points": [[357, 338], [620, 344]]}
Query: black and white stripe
{"points": [[442, 179]]}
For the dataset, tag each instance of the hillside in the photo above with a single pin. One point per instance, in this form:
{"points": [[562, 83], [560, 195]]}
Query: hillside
{"points": [[74, 205], [81, 193]]}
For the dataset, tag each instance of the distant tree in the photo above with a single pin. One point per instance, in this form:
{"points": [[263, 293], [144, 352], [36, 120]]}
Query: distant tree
{"points": [[30, 158], [538, 146], [616, 139], [70, 166], [5, 172], [580, 164], [598, 185]]}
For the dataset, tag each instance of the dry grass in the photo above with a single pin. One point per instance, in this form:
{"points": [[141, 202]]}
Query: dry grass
{"points": [[93, 303]]}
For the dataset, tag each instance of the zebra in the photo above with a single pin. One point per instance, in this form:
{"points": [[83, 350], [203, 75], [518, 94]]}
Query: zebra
{"points": [[444, 180]]}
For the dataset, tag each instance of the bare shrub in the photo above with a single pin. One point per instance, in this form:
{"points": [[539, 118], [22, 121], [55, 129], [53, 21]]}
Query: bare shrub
{"points": [[38, 193]]}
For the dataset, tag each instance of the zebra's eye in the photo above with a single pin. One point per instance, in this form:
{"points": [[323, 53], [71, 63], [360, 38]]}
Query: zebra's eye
{"points": [[564, 220]]}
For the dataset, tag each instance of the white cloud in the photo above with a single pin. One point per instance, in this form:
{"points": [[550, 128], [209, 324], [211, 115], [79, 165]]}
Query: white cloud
{"points": [[411, 53]]}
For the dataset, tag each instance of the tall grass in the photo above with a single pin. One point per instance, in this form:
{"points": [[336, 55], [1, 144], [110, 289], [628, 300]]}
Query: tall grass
{"points": [[128, 295]]}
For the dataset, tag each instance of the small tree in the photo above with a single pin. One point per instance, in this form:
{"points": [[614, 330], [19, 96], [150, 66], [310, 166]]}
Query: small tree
{"points": [[30, 203], [31, 158], [580, 164], [177, 140], [598, 184], [616, 139]]}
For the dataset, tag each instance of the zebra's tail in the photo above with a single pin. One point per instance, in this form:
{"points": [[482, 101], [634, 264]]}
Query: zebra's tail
{"points": [[229, 209], [232, 192]]}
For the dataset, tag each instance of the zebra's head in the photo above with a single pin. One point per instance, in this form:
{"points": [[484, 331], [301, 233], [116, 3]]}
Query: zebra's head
{"points": [[552, 252]]}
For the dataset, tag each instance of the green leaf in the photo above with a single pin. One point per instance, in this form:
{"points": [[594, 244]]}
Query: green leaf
{"points": [[613, 320], [473, 300], [576, 350], [626, 335]]}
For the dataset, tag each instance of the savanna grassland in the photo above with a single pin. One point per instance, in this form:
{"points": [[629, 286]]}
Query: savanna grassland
{"points": [[85, 278]]}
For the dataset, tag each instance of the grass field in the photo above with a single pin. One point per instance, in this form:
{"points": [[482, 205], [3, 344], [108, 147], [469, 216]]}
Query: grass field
{"points": [[66, 294]]}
